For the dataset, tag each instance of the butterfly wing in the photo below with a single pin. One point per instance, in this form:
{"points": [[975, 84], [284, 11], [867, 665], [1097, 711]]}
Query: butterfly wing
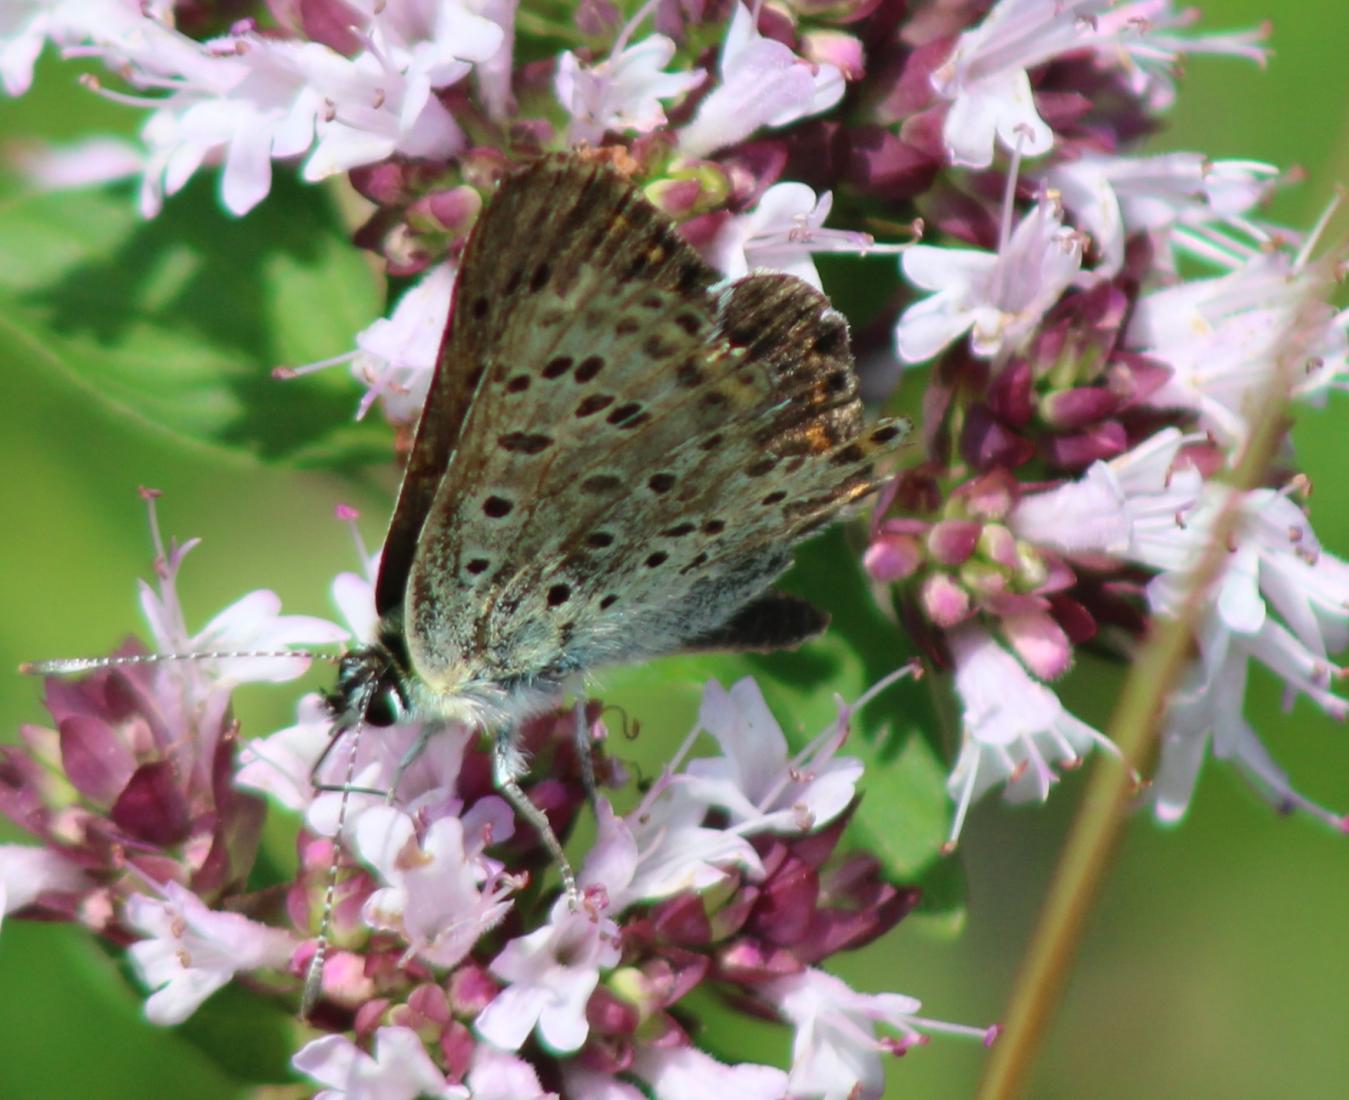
{"points": [[642, 444]]}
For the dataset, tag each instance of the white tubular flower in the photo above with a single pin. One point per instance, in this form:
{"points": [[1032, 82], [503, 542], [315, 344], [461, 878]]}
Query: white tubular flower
{"points": [[399, 1069], [432, 900], [754, 780], [192, 950], [1228, 339], [550, 974], [986, 78], [1282, 601], [1015, 730], [622, 92], [1128, 507], [762, 84], [836, 1054], [999, 297], [1110, 197], [781, 232]]}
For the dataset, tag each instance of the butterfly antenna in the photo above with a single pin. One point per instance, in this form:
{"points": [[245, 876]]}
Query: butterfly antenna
{"points": [[68, 666], [313, 979]]}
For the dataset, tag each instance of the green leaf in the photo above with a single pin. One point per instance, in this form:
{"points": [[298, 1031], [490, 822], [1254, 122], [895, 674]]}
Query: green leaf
{"points": [[249, 1036], [903, 817], [177, 321]]}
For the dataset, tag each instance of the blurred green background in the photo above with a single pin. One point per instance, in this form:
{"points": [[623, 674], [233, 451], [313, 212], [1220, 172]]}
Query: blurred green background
{"points": [[1216, 963]]}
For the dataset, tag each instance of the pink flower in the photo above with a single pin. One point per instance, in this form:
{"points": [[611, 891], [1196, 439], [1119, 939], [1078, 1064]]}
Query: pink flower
{"points": [[550, 974], [1111, 197], [84, 163], [1014, 729], [28, 872], [622, 92], [496, 1075], [396, 356], [1281, 600], [282, 764], [1000, 297], [660, 850], [433, 900], [780, 233], [684, 1073], [836, 1054], [1227, 339], [1206, 713], [1129, 507], [252, 626], [400, 1068], [754, 781], [985, 77], [192, 950], [762, 84], [27, 25]]}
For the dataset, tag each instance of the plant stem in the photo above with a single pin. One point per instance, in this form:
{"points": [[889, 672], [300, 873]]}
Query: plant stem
{"points": [[1100, 819]]}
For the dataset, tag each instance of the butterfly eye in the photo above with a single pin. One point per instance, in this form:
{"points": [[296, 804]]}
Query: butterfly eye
{"points": [[387, 707]]}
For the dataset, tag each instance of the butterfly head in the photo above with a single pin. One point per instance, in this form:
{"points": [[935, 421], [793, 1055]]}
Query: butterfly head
{"points": [[373, 684]]}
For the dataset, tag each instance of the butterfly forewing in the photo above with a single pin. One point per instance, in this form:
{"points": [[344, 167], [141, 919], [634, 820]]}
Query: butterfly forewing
{"points": [[629, 447]]}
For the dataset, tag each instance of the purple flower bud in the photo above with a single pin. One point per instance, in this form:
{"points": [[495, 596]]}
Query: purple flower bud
{"points": [[999, 545], [1135, 377], [95, 759], [749, 962], [453, 211], [986, 442], [471, 989], [678, 198], [882, 164], [1040, 643], [374, 1013], [384, 184], [683, 920], [728, 919], [333, 23], [829, 47], [892, 558], [786, 904], [457, 1045], [1076, 452], [952, 541], [989, 497], [151, 807], [1010, 394], [611, 1015], [944, 601], [1077, 622], [1076, 408], [911, 90]]}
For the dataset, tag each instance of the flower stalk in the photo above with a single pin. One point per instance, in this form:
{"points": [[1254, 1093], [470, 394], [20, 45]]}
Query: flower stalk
{"points": [[1104, 810]]}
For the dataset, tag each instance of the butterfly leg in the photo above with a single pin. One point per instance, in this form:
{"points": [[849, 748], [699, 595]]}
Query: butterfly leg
{"points": [[508, 765], [585, 748], [405, 761]]}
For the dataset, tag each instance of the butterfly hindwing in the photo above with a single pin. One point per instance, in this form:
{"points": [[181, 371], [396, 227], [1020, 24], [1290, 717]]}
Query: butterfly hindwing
{"points": [[639, 443]]}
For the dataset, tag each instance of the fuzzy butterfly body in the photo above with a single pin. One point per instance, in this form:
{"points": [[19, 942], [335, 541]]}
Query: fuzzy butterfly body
{"points": [[617, 453]]}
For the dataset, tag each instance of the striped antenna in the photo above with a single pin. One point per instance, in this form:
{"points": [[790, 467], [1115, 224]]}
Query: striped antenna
{"points": [[313, 979], [68, 666]]}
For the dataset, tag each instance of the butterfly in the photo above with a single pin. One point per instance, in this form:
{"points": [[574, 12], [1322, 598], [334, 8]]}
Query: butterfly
{"points": [[618, 450]]}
